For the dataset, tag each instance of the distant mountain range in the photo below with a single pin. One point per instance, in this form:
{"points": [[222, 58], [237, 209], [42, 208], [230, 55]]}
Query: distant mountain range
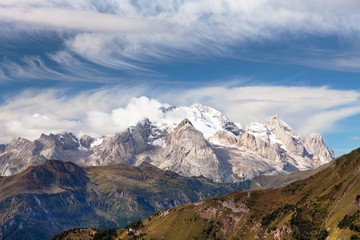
{"points": [[191, 141], [325, 205]]}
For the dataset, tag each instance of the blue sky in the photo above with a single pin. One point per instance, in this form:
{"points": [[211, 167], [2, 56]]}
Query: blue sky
{"points": [[66, 64]]}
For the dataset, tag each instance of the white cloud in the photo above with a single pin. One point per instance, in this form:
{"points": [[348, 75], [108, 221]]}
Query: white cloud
{"points": [[107, 123], [73, 19], [137, 109], [91, 113], [107, 111], [124, 34], [20, 115], [29, 126]]}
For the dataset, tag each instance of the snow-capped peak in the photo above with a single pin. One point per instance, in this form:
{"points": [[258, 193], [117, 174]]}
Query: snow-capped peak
{"points": [[314, 143], [281, 128], [205, 119], [97, 142], [315, 136], [276, 122], [263, 132], [258, 130], [206, 109]]}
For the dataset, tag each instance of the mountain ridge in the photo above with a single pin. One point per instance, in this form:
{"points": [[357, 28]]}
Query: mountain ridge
{"points": [[235, 153]]}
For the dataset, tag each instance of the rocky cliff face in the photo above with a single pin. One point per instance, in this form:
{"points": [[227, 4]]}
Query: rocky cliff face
{"points": [[22, 153], [286, 136], [58, 147], [123, 147], [192, 141], [314, 143], [18, 155], [188, 153]]}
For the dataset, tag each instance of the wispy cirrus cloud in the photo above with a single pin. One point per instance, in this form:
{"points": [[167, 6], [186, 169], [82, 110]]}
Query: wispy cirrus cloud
{"points": [[133, 35], [57, 18]]}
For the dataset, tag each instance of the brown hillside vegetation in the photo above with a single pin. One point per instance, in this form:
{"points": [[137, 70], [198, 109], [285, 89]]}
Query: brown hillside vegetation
{"points": [[324, 206], [56, 196]]}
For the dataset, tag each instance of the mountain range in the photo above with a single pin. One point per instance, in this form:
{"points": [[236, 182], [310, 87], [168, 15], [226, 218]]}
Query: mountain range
{"points": [[183, 155], [191, 141]]}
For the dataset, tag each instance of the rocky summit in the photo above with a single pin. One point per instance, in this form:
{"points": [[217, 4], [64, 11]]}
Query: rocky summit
{"points": [[191, 141]]}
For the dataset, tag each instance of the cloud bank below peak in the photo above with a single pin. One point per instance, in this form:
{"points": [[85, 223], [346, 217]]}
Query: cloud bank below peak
{"points": [[104, 112]]}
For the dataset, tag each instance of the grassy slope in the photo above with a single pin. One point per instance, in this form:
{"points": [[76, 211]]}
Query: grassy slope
{"points": [[306, 209]]}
